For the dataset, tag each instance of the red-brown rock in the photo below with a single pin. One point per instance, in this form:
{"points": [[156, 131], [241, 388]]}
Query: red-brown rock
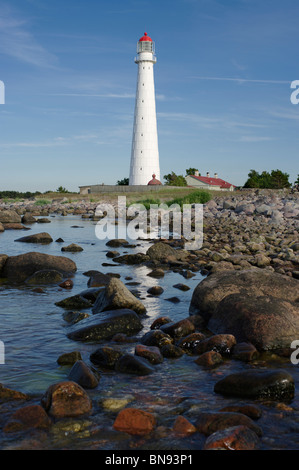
{"points": [[209, 422], [252, 411], [66, 399], [209, 359], [182, 427], [8, 394], [134, 421], [234, 438], [32, 416]]}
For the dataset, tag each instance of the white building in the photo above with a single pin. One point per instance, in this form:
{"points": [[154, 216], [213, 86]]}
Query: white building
{"points": [[207, 182], [145, 152]]}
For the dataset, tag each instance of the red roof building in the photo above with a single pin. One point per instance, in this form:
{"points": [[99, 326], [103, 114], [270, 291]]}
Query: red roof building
{"points": [[207, 182]]}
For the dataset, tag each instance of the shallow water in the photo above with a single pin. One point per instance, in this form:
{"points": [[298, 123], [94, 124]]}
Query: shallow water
{"points": [[34, 333]]}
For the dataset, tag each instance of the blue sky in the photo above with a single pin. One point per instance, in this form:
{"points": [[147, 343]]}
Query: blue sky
{"points": [[223, 76]]}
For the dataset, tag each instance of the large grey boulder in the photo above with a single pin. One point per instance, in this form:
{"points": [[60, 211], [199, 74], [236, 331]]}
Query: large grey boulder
{"points": [[115, 296], [20, 267]]}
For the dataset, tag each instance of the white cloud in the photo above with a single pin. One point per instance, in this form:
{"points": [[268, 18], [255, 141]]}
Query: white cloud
{"points": [[18, 42]]}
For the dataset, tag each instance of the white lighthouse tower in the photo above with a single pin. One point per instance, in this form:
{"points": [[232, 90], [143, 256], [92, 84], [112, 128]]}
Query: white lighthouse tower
{"points": [[145, 152]]}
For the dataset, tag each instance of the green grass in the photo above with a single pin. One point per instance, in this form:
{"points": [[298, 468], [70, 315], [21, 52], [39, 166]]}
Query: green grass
{"points": [[42, 202], [148, 202], [196, 197]]}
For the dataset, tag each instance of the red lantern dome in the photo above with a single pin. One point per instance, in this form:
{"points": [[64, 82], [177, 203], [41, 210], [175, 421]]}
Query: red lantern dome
{"points": [[154, 181], [145, 38]]}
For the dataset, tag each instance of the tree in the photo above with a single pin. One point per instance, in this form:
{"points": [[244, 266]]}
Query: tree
{"points": [[274, 180], [61, 190], [123, 182], [297, 181], [279, 179], [175, 180], [191, 171]]}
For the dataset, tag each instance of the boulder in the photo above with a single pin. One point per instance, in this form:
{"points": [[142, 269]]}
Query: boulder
{"points": [[267, 322], [156, 338], [254, 282], [116, 296], [105, 357], [105, 326], [9, 216], [222, 343], [98, 279], [209, 422], [46, 276], [256, 306], [233, 438], [160, 250], [20, 267], [83, 375], [178, 329], [42, 238], [28, 417], [70, 358], [2, 229], [66, 399], [3, 259], [28, 218], [271, 384], [130, 364]]}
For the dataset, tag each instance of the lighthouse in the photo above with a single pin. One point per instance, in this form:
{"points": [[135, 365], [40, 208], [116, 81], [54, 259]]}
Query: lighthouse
{"points": [[145, 151]]}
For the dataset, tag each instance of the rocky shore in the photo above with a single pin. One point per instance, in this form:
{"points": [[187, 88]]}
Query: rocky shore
{"points": [[246, 308]]}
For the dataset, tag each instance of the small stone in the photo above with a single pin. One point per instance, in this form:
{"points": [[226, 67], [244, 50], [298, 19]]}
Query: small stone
{"points": [[67, 284], [171, 351], [151, 353], [182, 427], [135, 422], [73, 248], [209, 359], [69, 358], [83, 375], [159, 322], [155, 290], [182, 287]]}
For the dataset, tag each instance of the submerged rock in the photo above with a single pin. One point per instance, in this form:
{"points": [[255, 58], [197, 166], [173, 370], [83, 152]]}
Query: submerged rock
{"points": [[233, 438], [273, 384], [47, 276], [209, 422], [129, 364], [43, 238], [105, 357], [73, 248], [134, 421], [105, 326]]}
